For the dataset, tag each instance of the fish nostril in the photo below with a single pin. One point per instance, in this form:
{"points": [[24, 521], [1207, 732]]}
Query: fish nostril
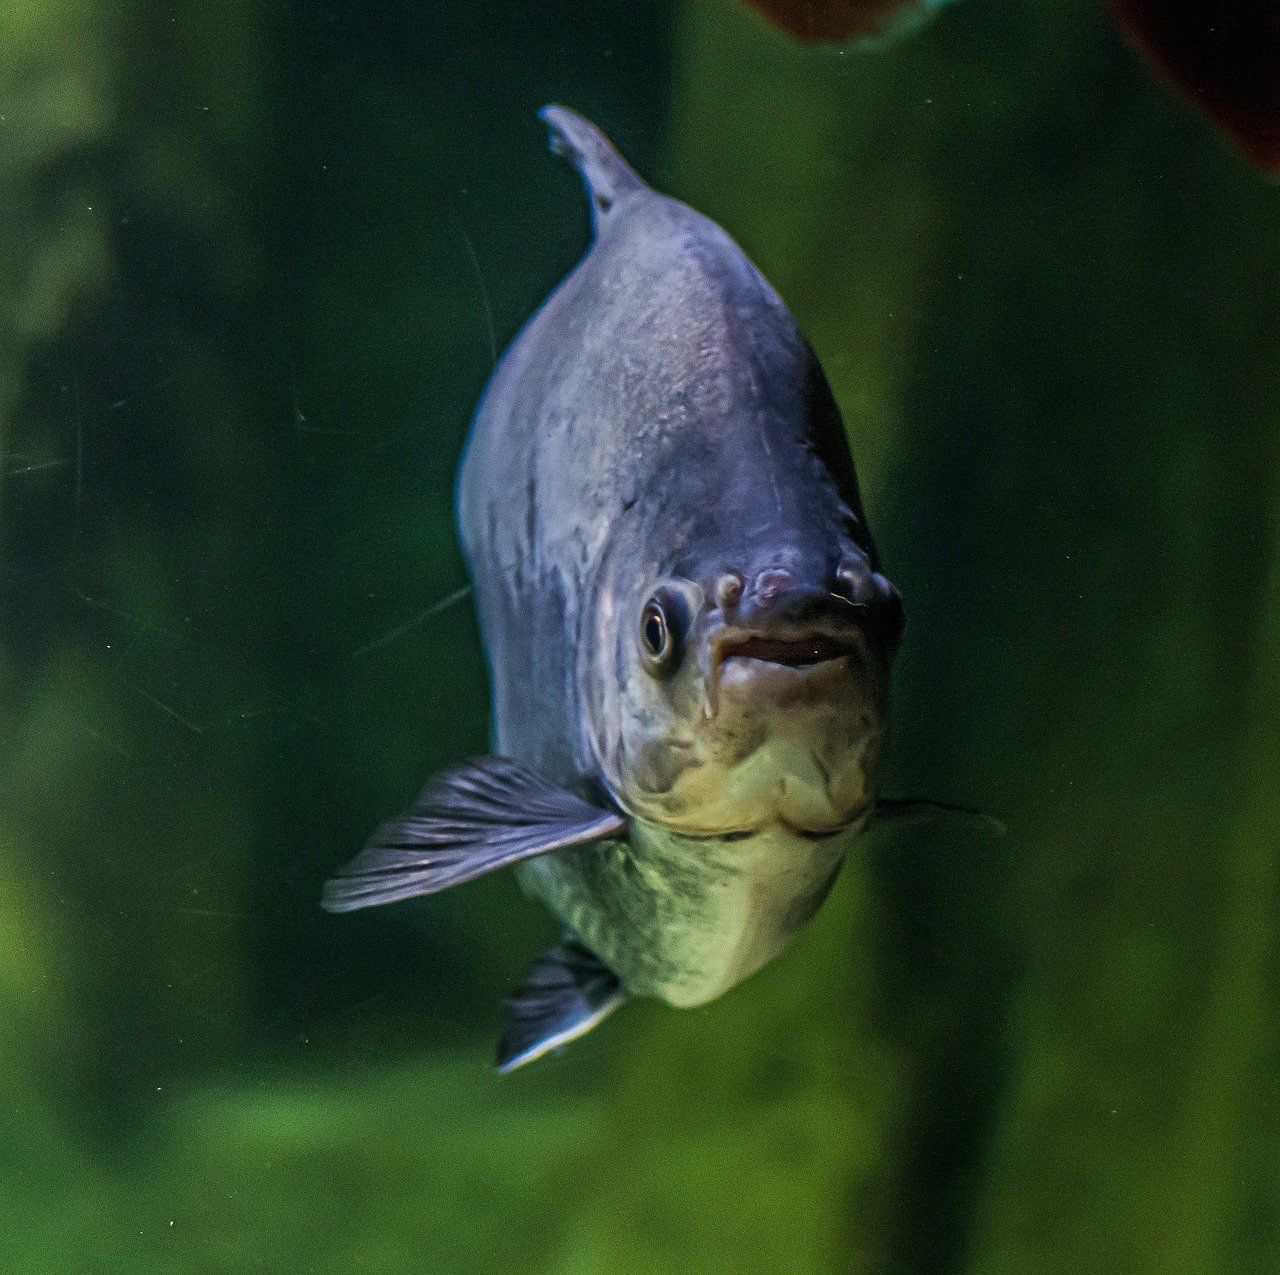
{"points": [[769, 584], [847, 579], [729, 590], [853, 583], [857, 583]]}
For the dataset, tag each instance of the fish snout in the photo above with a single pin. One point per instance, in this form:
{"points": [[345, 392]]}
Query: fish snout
{"points": [[853, 596], [776, 598]]}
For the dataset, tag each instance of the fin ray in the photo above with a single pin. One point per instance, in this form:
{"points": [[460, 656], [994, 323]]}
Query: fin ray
{"points": [[473, 819], [565, 994]]}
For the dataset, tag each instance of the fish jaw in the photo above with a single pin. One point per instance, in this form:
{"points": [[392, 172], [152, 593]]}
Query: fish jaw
{"points": [[796, 746]]}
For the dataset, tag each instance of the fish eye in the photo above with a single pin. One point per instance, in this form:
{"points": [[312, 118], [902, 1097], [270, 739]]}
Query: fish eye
{"points": [[661, 630], [654, 631]]}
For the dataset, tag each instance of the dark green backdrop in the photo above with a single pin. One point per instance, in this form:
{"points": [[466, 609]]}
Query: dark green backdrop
{"points": [[256, 260]]}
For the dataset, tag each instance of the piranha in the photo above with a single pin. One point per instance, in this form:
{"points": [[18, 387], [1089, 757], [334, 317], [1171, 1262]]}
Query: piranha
{"points": [[688, 632]]}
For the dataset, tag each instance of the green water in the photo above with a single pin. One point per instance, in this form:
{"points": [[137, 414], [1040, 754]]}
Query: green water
{"points": [[256, 260]]}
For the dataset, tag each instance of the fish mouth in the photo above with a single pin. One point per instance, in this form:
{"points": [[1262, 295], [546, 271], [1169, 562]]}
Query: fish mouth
{"points": [[794, 652], [789, 650]]}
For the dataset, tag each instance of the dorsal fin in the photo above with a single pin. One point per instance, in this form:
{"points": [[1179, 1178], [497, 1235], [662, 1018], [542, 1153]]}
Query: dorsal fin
{"points": [[605, 174]]}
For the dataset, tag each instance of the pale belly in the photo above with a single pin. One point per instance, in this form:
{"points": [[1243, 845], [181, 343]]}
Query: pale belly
{"points": [[684, 918]]}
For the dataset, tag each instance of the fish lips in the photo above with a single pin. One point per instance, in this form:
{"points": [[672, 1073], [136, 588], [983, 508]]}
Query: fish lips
{"points": [[790, 649], [795, 652]]}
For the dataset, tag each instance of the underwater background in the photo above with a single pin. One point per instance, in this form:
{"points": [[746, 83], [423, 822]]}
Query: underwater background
{"points": [[256, 261]]}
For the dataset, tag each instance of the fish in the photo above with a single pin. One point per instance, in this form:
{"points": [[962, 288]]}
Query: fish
{"points": [[1222, 58], [871, 23], [688, 632]]}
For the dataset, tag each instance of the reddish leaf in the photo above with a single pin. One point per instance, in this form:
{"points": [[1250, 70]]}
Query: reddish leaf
{"points": [[828, 21], [1223, 56]]}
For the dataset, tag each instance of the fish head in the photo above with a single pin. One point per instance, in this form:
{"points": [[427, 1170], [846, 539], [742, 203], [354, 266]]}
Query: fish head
{"points": [[751, 693]]}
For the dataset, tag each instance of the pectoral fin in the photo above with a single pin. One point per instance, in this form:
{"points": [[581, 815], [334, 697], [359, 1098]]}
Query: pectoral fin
{"points": [[482, 815], [563, 997]]}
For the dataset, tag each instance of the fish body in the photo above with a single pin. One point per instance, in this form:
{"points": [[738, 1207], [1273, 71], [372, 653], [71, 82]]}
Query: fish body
{"points": [[688, 635], [683, 919]]}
